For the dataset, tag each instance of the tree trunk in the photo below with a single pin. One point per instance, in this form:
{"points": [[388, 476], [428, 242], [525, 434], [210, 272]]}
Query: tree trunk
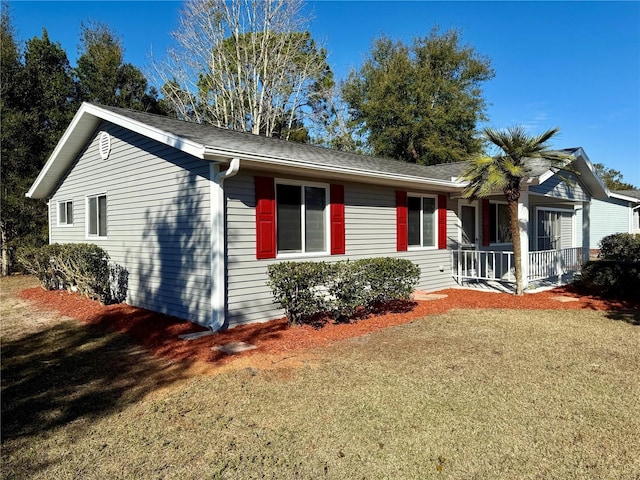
{"points": [[514, 226], [5, 251]]}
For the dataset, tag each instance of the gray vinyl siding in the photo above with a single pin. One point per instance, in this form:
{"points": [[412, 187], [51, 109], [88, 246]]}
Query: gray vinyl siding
{"points": [[556, 187], [370, 231], [158, 222], [608, 217], [566, 230]]}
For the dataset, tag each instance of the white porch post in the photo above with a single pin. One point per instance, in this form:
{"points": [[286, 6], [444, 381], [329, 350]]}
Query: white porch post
{"points": [[523, 221]]}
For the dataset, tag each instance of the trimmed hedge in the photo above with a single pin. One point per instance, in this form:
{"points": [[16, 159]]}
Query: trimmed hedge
{"points": [[612, 278], [617, 273], [304, 289], [76, 266], [624, 247]]}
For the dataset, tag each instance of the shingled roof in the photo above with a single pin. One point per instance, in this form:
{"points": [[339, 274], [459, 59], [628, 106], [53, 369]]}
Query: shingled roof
{"points": [[247, 143], [220, 144]]}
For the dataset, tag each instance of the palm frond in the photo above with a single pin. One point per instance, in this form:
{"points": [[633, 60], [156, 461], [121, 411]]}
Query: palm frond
{"points": [[545, 137], [486, 175]]}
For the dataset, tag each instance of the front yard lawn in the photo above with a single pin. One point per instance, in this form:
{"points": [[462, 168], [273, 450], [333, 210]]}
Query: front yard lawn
{"points": [[472, 393]]}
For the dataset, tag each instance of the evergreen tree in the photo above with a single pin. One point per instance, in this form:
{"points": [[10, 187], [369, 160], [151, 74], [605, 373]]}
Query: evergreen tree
{"points": [[420, 104], [613, 179], [105, 79], [36, 107]]}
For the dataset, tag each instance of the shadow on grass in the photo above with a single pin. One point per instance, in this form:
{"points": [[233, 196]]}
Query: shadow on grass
{"points": [[69, 372], [621, 309], [629, 316]]}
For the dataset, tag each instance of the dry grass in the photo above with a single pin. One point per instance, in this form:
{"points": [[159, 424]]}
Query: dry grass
{"points": [[471, 394]]}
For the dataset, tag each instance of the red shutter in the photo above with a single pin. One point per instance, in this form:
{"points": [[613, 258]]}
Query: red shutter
{"points": [[337, 220], [442, 222], [402, 213], [265, 217], [486, 223]]}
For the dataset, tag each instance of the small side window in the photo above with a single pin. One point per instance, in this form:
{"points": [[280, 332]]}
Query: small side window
{"points": [[97, 216], [65, 213]]}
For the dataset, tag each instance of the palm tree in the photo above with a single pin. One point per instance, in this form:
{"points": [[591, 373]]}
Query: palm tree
{"points": [[505, 171]]}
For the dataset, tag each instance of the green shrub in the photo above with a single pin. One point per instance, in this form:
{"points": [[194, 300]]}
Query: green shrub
{"points": [[76, 266], [388, 279], [297, 287], [621, 246], [612, 278], [339, 289], [617, 273]]}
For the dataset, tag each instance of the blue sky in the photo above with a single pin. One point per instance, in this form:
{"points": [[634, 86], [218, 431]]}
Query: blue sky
{"points": [[575, 65]]}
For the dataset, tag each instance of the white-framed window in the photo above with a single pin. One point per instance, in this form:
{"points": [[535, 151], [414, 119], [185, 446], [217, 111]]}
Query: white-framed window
{"points": [[554, 228], [65, 213], [422, 221], [467, 213], [302, 218], [499, 223], [97, 216]]}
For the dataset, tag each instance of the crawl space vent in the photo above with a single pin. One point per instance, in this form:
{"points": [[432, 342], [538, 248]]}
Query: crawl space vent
{"points": [[105, 145]]}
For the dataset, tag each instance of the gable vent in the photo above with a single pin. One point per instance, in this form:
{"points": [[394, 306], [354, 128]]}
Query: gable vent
{"points": [[105, 145]]}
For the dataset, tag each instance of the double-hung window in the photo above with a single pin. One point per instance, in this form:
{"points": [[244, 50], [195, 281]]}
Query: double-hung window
{"points": [[499, 223], [296, 218], [97, 216], [65, 213], [302, 215], [422, 221]]}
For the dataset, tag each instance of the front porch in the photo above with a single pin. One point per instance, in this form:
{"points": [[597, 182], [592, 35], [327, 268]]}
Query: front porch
{"points": [[547, 266]]}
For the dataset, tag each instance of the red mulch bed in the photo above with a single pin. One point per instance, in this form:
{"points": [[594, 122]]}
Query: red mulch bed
{"points": [[159, 333]]}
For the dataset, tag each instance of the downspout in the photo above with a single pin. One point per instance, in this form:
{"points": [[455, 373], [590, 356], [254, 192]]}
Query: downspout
{"points": [[218, 242], [49, 218]]}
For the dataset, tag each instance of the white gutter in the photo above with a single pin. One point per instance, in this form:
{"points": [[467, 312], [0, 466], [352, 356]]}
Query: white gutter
{"points": [[218, 250], [624, 197], [283, 161]]}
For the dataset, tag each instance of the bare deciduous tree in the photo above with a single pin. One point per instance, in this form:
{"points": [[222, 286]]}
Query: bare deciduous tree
{"points": [[245, 65]]}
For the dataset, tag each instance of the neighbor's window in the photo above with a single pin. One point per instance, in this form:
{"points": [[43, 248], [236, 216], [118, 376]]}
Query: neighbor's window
{"points": [[97, 216], [422, 221], [65, 213], [301, 218], [500, 231]]}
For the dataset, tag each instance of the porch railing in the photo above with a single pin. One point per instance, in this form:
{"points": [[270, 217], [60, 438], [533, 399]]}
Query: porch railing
{"points": [[554, 263], [499, 265]]}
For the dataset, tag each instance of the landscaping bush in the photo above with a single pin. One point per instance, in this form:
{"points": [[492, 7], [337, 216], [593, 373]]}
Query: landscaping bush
{"points": [[617, 273], [388, 278], [298, 288], [304, 289], [624, 247], [76, 266], [612, 278]]}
